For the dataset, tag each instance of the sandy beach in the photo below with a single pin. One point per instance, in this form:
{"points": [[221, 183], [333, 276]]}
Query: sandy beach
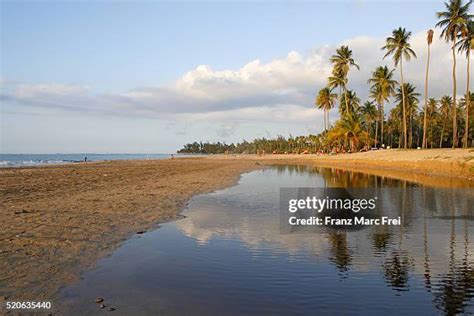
{"points": [[58, 220]]}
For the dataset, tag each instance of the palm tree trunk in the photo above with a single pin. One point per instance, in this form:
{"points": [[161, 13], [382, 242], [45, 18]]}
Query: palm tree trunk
{"points": [[327, 120], [455, 122], [348, 111], [468, 100], [441, 138], [404, 106], [325, 113], [368, 133], [381, 122], [424, 144], [376, 131], [340, 98], [418, 138], [410, 137], [431, 134]]}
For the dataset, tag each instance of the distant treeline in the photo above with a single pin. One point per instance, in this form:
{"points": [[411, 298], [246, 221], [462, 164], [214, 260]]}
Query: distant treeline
{"points": [[280, 145]]}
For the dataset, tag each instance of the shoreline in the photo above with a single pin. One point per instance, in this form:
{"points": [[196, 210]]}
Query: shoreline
{"points": [[429, 162], [59, 219], [42, 236], [448, 163]]}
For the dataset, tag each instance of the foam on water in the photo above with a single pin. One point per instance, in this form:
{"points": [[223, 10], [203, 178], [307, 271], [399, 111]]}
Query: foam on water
{"points": [[21, 160]]}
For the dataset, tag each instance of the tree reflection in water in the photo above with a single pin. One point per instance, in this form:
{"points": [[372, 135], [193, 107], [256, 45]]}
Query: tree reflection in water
{"points": [[452, 290], [340, 253], [396, 270], [381, 241]]}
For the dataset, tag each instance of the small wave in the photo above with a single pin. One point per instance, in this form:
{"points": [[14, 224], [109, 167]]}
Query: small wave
{"points": [[9, 163]]}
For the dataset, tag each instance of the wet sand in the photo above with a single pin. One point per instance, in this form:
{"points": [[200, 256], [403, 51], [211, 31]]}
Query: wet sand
{"points": [[58, 220]]}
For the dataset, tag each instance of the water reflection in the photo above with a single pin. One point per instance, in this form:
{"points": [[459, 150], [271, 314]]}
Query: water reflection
{"points": [[228, 256], [340, 253], [338, 178], [421, 249]]}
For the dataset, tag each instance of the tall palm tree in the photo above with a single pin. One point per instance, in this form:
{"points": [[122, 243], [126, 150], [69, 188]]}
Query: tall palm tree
{"points": [[409, 94], [465, 100], [431, 109], [429, 40], [325, 101], [381, 89], [453, 21], [369, 114], [465, 45], [445, 110], [342, 62], [398, 46]]}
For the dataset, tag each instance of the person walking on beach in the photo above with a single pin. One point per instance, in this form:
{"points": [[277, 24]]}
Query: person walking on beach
{"points": [[85, 159]]}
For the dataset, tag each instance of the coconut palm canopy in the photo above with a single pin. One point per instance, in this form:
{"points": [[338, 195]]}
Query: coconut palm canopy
{"points": [[411, 96], [325, 101], [466, 43], [382, 84], [349, 104], [453, 19], [398, 46], [343, 60]]}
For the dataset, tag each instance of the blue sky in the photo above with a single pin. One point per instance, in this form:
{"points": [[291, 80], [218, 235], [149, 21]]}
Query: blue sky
{"points": [[129, 76]]}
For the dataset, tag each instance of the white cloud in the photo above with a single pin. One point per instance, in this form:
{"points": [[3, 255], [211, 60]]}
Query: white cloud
{"points": [[281, 90]]}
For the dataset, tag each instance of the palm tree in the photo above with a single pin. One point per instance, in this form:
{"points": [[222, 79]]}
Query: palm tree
{"points": [[429, 40], [348, 130], [445, 109], [325, 101], [390, 130], [398, 46], [453, 21], [465, 45], [337, 80], [395, 121], [431, 109], [382, 88], [369, 113], [342, 62], [464, 103], [349, 104], [408, 96]]}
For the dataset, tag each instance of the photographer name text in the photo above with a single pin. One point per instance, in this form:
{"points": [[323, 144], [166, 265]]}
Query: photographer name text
{"points": [[330, 221]]}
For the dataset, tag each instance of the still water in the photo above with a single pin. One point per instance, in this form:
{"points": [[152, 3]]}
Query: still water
{"points": [[228, 256]]}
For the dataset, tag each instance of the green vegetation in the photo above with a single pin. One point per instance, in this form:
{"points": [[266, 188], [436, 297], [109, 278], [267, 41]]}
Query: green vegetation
{"points": [[280, 145], [439, 123]]}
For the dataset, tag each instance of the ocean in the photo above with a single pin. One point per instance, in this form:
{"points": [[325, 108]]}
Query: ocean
{"points": [[19, 160]]}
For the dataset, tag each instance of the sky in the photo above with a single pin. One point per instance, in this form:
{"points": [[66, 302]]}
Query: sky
{"points": [[150, 76]]}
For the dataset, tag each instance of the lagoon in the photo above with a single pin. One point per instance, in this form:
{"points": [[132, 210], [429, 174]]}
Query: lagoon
{"points": [[228, 256]]}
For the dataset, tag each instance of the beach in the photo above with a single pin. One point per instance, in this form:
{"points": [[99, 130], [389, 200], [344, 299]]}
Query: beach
{"points": [[59, 220]]}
